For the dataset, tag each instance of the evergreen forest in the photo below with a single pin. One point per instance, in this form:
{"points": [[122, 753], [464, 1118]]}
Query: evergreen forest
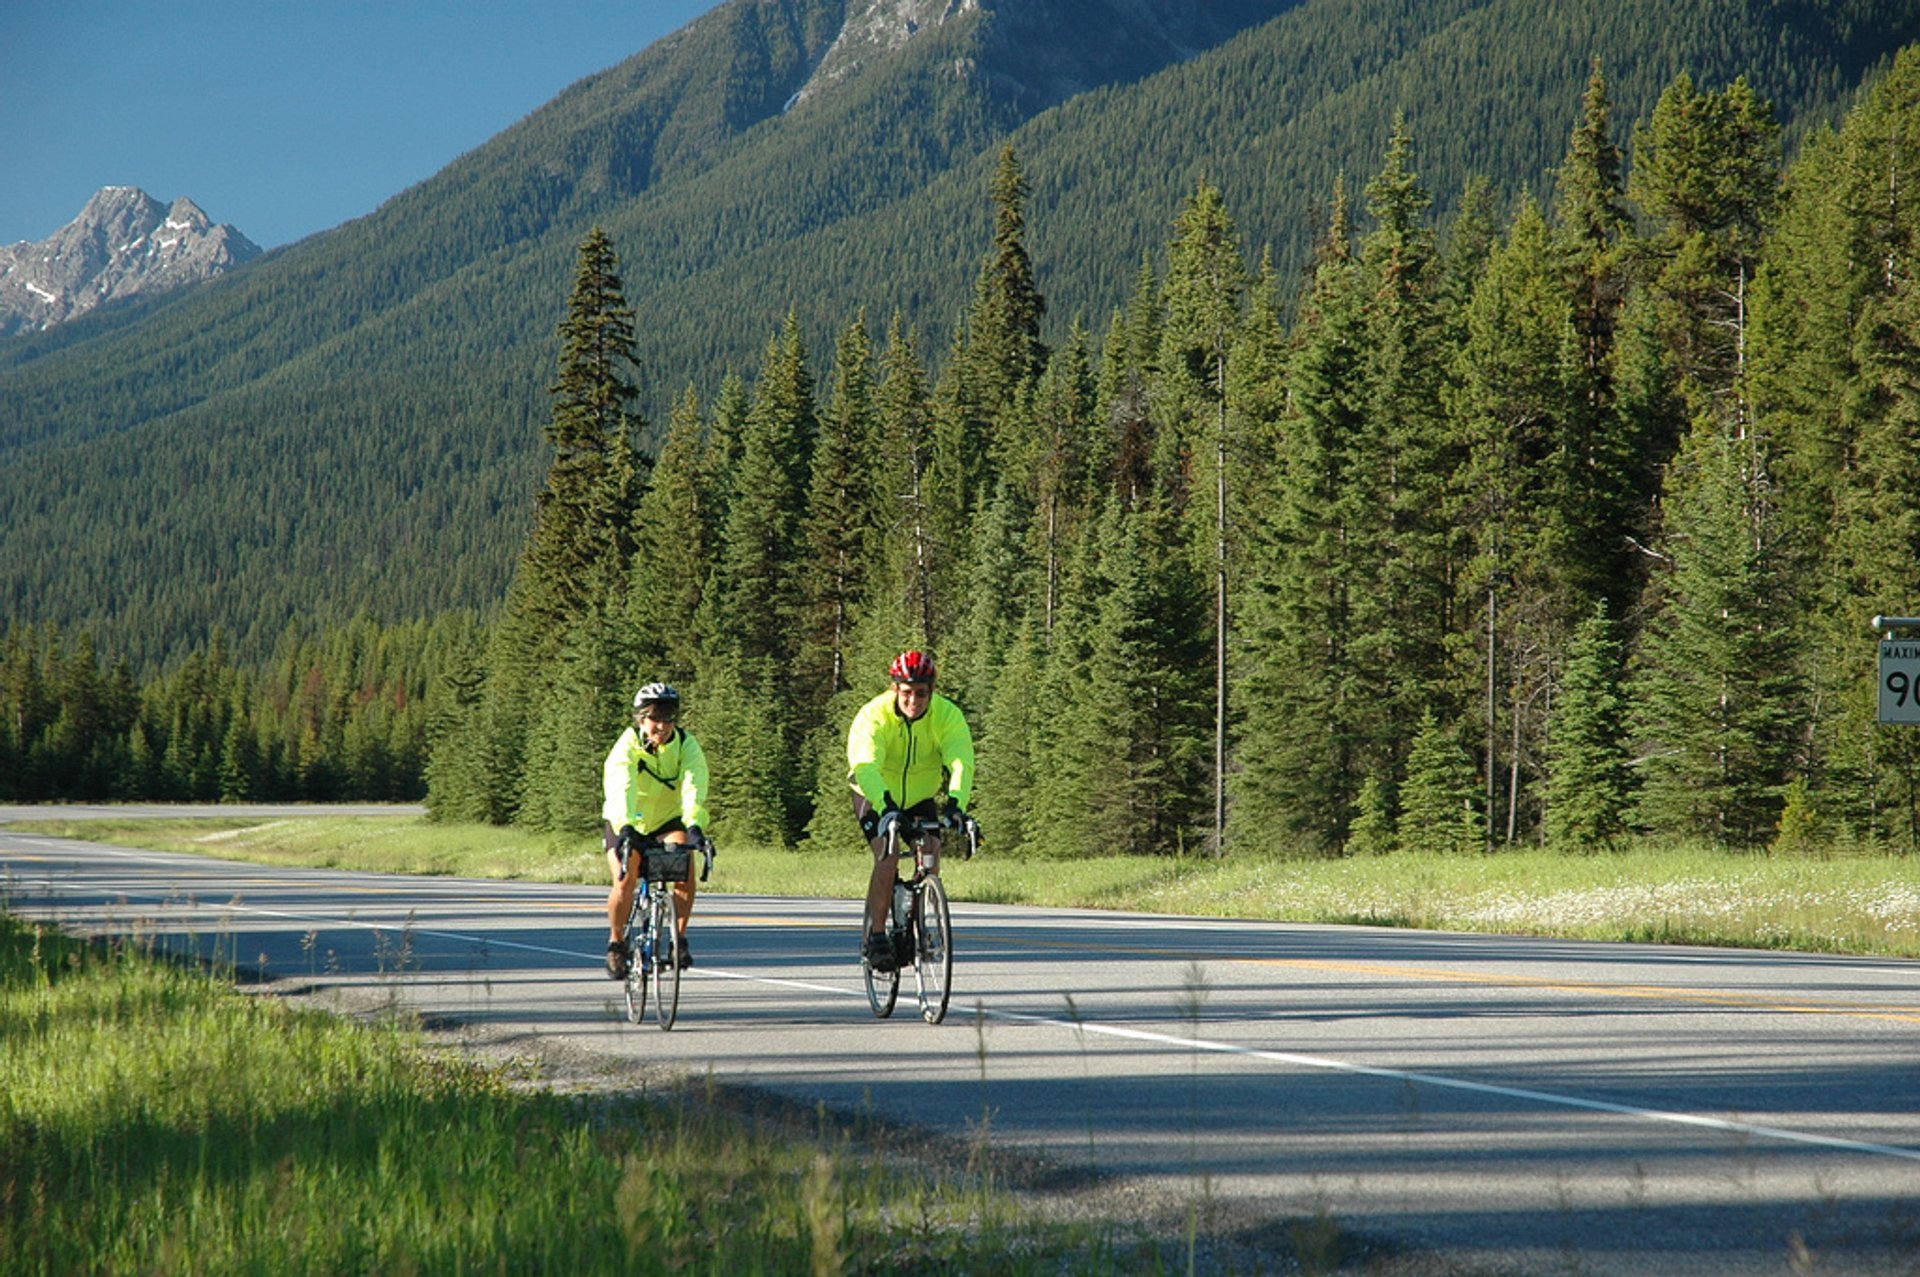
{"points": [[351, 425], [1548, 519]]}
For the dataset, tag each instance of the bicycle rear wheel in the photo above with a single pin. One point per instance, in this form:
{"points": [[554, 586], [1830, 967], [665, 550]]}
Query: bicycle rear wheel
{"points": [[932, 951], [666, 959]]}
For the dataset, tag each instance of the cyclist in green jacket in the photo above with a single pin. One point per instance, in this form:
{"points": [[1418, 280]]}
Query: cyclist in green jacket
{"points": [[655, 786], [909, 751]]}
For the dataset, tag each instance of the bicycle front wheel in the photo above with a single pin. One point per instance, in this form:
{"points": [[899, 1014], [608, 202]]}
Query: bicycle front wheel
{"points": [[666, 959], [933, 951], [636, 965], [883, 987]]}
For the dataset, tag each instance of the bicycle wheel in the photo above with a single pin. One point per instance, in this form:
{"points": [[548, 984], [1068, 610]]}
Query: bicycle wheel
{"points": [[636, 967], [666, 959], [883, 987], [932, 951]]}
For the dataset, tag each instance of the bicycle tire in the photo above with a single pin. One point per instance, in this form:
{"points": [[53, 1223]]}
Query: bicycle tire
{"points": [[636, 967], [666, 959], [883, 987], [932, 950]]}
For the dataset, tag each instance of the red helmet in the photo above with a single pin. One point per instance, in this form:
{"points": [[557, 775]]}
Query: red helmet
{"points": [[912, 667]]}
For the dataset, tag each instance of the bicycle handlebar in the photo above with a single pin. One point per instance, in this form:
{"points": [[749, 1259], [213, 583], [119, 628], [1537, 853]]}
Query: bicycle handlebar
{"points": [[910, 828], [627, 847]]}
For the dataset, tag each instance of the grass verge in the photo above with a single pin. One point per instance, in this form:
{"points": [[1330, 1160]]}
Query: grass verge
{"points": [[154, 1120]]}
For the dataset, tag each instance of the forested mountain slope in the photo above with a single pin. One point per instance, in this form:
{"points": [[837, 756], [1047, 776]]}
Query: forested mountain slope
{"points": [[353, 423]]}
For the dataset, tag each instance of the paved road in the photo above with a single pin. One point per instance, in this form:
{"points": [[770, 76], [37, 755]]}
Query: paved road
{"points": [[1535, 1106]]}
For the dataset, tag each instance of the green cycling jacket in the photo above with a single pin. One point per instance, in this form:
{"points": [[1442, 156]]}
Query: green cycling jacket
{"points": [[646, 790], [890, 757]]}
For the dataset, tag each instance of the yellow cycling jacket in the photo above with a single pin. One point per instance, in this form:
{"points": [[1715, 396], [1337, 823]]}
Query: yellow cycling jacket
{"points": [[889, 757], [646, 790]]}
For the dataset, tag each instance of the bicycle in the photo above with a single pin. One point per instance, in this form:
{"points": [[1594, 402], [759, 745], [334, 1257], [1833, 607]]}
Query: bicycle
{"points": [[653, 939], [920, 926]]}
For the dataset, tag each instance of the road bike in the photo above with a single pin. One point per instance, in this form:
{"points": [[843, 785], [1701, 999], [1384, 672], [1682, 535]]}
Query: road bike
{"points": [[919, 926], [653, 939]]}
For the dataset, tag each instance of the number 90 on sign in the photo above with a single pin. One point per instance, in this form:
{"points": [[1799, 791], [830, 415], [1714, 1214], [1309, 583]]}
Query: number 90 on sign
{"points": [[1900, 682]]}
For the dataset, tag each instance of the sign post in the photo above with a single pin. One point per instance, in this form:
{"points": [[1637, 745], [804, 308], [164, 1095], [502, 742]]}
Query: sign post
{"points": [[1899, 668]]}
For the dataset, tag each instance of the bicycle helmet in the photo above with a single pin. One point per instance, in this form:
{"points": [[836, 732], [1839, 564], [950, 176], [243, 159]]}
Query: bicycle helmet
{"points": [[912, 667], [659, 699]]}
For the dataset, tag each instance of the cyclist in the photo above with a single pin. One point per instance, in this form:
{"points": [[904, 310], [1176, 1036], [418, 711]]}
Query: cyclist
{"points": [[909, 752], [655, 786]]}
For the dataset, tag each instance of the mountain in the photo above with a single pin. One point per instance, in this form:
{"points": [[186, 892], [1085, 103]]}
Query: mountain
{"points": [[124, 243], [353, 422]]}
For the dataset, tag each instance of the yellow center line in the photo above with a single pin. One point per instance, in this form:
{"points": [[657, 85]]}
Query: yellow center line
{"points": [[1758, 1002]]}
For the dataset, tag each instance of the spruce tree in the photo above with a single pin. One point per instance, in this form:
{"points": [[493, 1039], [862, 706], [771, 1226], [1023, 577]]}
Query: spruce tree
{"points": [[1437, 802], [1586, 789], [1592, 234], [1061, 473], [753, 643], [1514, 405], [574, 565], [840, 516], [672, 561], [1295, 789], [1403, 612], [1715, 691]]}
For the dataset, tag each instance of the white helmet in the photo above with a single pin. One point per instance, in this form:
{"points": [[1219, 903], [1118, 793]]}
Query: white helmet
{"points": [[658, 696]]}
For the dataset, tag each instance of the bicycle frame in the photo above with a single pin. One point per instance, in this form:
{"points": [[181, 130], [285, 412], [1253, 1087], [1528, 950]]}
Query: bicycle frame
{"points": [[920, 922], [652, 934]]}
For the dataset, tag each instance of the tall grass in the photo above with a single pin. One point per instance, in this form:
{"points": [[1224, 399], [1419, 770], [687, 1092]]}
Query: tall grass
{"points": [[155, 1121]]}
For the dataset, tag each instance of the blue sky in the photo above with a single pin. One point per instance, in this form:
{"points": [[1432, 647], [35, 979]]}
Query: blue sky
{"points": [[283, 117]]}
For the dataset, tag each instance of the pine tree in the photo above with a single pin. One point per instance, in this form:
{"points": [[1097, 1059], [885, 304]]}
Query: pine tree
{"points": [[905, 540], [1586, 787], [1296, 690], [672, 560], [1715, 695], [839, 522], [1205, 287], [1835, 366], [581, 540], [1006, 350], [1706, 171], [1437, 803], [1592, 235], [1402, 612], [577, 556], [756, 597], [1123, 407], [1514, 405], [1061, 472]]}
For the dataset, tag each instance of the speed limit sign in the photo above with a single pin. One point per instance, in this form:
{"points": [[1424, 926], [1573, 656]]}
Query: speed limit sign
{"points": [[1899, 681], [1899, 670]]}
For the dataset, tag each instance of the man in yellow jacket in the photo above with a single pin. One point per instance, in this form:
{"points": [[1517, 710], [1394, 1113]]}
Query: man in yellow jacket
{"points": [[909, 752], [655, 786]]}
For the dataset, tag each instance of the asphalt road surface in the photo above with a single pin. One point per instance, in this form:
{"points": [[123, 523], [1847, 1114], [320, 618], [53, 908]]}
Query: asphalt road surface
{"points": [[1520, 1105]]}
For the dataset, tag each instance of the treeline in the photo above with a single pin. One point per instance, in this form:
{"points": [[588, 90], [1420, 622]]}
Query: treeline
{"points": [[340, 715], [1556, 524]]}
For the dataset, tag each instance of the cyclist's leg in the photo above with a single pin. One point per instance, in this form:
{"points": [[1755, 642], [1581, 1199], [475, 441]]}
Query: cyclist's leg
{"points": [[885, 868], [620, 896]]}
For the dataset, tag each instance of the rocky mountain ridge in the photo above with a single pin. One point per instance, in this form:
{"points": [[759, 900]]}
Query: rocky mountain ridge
{"points": [[124, 243]]}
